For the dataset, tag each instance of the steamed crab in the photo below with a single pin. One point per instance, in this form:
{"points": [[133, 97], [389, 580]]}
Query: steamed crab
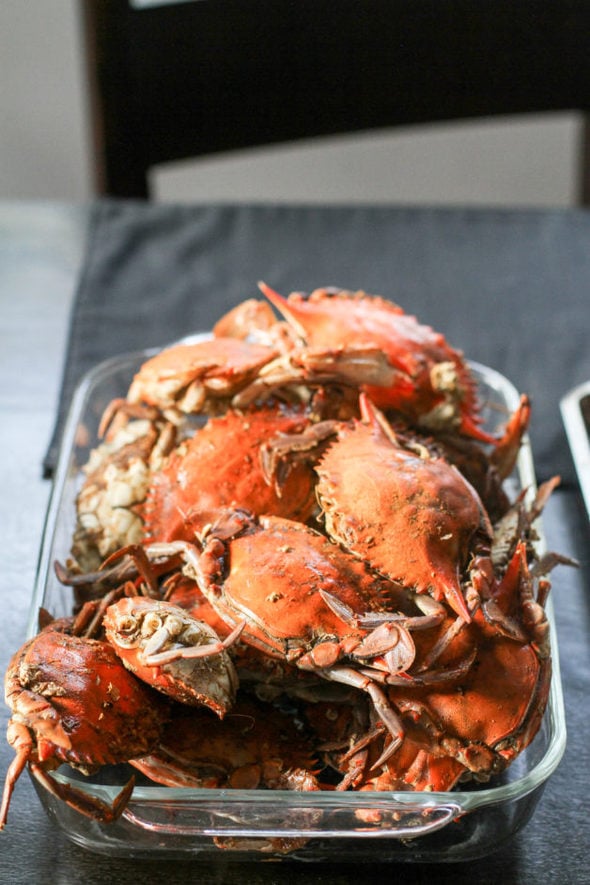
{"points": [[295, 539], [60, 687], [401, 363], [475, 725], [220, 466], [303, 599], [412, 516], [91, 702], [169, 649], [116, 481], [255, 745], [495, 708]]}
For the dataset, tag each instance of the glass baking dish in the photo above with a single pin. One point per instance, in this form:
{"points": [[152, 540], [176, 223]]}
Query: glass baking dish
{"points": [[319, 826], [575, 412]]}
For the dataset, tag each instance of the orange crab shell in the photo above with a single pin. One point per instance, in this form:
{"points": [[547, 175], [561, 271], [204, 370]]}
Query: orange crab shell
{"points": [[57, 680], [494, 710], [220, 467], [255, 745], [271, 574], [186, 376], [432, 373], [73, 701], [413, 517], [485, 471]]}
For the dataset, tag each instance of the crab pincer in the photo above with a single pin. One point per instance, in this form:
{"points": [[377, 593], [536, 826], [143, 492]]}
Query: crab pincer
{"points": [[423, 376]]}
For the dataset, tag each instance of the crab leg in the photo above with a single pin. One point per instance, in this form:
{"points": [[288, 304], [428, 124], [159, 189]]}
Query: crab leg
{"points": [[91, 806], [151, 656], [424, 677], [508, 445], [89, 619], [19, 737], [442, 643], [138, 555], [434, 614], [382, 707]]}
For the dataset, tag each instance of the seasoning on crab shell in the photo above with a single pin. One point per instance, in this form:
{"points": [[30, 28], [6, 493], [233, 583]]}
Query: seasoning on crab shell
{"points": [[73, 701], [220, 466]]}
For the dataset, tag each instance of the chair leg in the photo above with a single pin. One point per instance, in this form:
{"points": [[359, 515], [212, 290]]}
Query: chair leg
{"points": [[584, 163]]}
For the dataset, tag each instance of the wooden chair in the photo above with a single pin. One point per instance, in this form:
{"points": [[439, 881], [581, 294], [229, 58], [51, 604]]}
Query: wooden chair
{"points": [[194, 78]]}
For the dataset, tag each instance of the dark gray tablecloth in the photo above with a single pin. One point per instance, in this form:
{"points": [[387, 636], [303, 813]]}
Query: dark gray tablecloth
{"points": [[509, 288]]}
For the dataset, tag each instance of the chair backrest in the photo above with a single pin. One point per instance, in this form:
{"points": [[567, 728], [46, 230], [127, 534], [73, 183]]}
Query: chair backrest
{"points": [[174, 81]]}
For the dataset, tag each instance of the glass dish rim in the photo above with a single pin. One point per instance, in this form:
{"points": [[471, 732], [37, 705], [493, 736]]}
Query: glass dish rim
{"points": [[461, 801]]}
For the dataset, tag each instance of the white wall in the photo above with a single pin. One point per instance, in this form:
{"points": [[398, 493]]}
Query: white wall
{"points": [[44, 138], [42, 121], [521, 161]]}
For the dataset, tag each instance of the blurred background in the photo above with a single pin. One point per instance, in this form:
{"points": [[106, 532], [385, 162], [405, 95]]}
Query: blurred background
{"points": [[44, 136]]}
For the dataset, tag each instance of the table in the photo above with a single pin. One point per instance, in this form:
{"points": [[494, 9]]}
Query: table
{"points": [[42, 250]]}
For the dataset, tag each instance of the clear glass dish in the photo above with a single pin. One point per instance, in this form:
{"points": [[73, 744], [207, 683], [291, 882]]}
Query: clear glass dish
{"points": [[197, 823]]}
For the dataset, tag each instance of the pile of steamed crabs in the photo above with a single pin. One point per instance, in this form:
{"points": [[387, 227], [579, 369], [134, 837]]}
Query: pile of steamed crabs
{"points": [[295, 566]]}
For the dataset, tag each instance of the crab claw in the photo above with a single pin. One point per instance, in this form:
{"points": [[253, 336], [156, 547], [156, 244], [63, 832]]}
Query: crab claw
{"points": [[19, 737], [388, 640], [282, 305], [508, 445], [431, 381], [381, 705], [90, 806]]}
